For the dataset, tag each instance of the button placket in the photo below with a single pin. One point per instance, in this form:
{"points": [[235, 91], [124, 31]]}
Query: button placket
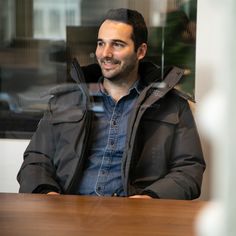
{"points": [[110, 148], [103, 175]]}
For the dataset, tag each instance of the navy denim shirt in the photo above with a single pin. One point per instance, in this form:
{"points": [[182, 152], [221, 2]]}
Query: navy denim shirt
{"points": [[102, 173]]}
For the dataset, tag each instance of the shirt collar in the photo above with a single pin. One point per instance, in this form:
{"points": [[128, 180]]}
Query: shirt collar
{"points": [[138, 86]]}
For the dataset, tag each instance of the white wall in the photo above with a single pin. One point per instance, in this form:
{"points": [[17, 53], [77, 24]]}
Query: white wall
{"points": [[216, 72], [10, 161]]}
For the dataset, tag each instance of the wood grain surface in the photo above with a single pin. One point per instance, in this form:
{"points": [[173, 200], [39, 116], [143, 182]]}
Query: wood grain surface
{"points": [[57, 215]]}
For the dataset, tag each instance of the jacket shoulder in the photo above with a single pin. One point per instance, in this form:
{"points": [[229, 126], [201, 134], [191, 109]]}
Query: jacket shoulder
{"points": [[183, 95]]}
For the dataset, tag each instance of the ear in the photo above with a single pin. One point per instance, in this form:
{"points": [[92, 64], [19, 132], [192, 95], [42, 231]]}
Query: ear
{"points": [[142, 50]]}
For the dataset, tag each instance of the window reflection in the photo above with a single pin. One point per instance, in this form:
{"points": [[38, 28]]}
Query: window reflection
{"points": [[51, 18], [38, 39]]}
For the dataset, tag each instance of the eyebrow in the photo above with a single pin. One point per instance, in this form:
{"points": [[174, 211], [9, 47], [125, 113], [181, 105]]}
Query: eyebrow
{"points": [[113, 40]]}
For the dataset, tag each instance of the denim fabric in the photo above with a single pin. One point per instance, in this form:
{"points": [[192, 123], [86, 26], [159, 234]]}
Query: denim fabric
{"points": [[102, 173]]}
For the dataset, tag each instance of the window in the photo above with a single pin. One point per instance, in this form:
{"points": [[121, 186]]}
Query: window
{"points": [[70, 17], [54, 22], [38, 38], [38, 19]]}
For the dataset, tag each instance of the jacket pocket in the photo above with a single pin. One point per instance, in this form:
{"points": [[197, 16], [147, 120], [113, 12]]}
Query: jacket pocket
{"points": [[67, 116], [67, 108]]}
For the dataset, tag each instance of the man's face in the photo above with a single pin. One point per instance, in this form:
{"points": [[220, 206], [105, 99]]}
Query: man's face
{"points": [[115, 50]]}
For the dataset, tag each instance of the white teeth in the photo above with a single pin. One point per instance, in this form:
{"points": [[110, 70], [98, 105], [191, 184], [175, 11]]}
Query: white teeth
{"points": [[108, 63]]}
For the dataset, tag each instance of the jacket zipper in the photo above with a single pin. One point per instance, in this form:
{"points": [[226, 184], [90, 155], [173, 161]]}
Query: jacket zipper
{"points": [[75, 177], [78, 76]]}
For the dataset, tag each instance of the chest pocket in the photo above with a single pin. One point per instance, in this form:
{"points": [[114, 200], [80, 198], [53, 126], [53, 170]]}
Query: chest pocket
{"points": [[67, 108], [68, 116]]}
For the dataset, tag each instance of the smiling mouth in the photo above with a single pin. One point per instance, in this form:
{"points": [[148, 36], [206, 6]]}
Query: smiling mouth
{"points": [[109, 63]]}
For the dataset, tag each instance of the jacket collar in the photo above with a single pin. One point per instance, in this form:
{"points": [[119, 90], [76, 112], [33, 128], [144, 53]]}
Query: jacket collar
{"points": [[151, 75]]}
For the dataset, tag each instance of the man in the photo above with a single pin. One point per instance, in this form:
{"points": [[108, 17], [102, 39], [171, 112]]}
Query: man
{"points": [[143, 143]]}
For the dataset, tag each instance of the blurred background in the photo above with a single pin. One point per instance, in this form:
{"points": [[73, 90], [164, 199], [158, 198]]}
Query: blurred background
{"points": [[38, 39]]}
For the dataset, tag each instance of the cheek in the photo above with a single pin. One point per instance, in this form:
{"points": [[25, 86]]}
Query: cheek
{"points": [[130, 58], [98, 53], [122, 56]]}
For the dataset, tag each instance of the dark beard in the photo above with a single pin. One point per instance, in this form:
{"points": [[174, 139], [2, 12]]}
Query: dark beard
{"points": [[113, 61], [125, 73]]}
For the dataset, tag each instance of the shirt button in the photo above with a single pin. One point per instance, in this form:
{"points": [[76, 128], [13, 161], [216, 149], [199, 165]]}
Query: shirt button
{"points": [[112, 143], [114, 123]]}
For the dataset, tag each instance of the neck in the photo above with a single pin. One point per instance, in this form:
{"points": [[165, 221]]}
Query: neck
{"points": [[119, 88]]}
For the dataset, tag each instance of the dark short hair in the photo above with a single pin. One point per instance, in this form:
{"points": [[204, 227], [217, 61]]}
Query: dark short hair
{"points": [[133, 18]]}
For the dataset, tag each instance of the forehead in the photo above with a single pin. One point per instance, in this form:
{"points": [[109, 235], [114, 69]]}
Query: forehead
{"points": [[115, 29]]}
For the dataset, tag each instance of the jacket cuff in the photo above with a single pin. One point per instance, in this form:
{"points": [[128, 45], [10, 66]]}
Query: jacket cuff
{"points": [[45, 188], [150, 194]]}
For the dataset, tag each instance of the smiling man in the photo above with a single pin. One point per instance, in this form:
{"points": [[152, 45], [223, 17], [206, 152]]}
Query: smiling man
{"points": [[144, 143], [118, 57]]}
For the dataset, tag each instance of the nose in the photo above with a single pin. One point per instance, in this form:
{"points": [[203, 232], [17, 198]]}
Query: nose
{"points": [[107, 51]]}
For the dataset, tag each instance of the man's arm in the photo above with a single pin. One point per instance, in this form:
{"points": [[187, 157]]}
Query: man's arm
{"points": [[186, 162], [37, 173]]}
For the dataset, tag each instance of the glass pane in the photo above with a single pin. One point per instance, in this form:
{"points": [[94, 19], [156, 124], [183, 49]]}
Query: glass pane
{"points": [[39, 38]]}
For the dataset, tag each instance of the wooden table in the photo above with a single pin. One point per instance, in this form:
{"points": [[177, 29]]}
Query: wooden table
{"points": [[56, 215]]}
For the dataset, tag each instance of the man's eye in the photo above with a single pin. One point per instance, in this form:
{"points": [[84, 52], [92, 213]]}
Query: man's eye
{"points": [[118, 45], [100, 44]]}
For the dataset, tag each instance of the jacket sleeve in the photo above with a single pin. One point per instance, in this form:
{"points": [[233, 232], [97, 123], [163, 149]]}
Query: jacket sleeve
{"points": [[37, 173], [185, 164]]}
